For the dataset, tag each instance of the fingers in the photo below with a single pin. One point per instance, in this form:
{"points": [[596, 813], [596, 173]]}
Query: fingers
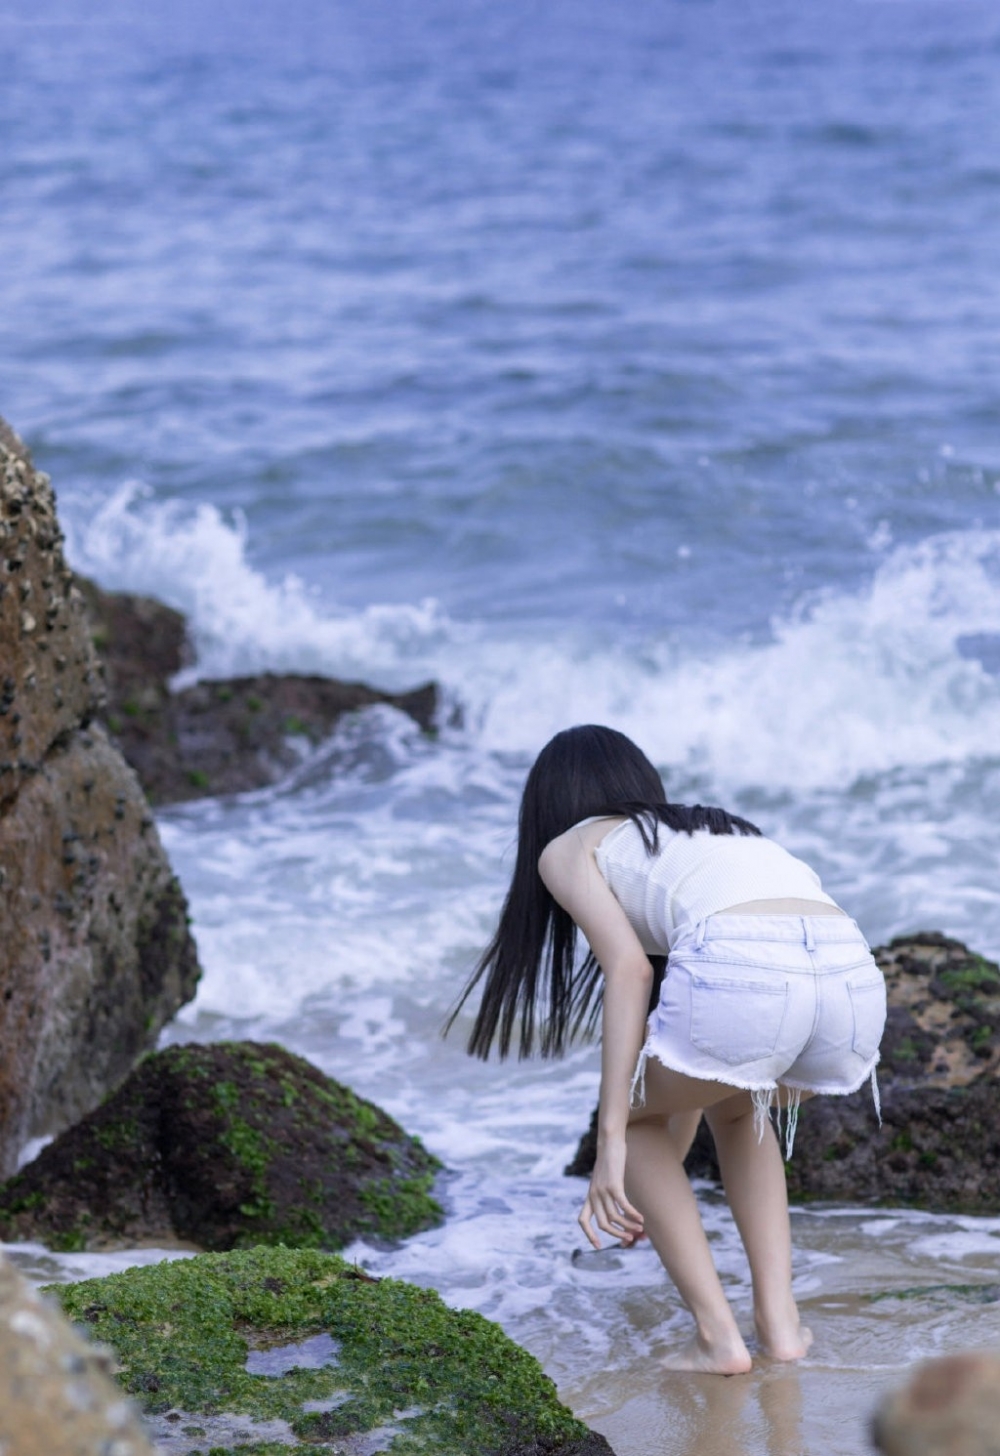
{"points": [[613, 1215], [587, 1213]]}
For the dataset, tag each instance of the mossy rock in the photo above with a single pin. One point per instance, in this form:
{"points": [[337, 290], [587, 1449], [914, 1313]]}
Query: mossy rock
{"points": [[276, 1350], [938, 1148], [225, 1146]]}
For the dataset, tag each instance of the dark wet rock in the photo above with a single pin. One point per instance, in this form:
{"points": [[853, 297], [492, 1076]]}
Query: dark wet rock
{"points": [[218, 736], [243, 733], [939, 1144], [95, 951], [947, 1407], [294, 1346], [223, 1146], [938, 1148], [141, 644], [57, 1397]]}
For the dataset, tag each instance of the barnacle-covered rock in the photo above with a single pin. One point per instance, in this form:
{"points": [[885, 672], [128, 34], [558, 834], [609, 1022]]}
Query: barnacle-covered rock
{"points": [[95, 951]]}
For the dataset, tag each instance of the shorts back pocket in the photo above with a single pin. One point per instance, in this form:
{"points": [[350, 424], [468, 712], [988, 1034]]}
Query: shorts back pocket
{"points": [[868, 1010], [736, 1020]]}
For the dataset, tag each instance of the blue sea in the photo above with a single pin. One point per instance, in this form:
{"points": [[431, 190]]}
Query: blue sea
{"points": [[636, 364]]}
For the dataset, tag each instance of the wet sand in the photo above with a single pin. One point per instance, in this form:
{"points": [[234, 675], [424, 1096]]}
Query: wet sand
{"points": [[777, 1411], [880, 1289]]}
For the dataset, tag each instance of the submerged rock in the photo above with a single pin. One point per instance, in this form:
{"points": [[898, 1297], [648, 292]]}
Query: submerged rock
{"points": [[939, 1144], [57, 1397], [215, 737], [224, 1146], [95, 951], [307, 1353]]}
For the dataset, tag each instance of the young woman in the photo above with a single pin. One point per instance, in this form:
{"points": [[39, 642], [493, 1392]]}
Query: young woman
{"points": [[771, 994]]}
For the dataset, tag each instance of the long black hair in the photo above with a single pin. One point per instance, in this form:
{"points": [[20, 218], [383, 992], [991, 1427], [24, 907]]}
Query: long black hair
{"points": [[529, 968]]}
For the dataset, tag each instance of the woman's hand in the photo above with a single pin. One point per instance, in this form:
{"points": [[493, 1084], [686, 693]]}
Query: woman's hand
{"points": [[606, 1202]]}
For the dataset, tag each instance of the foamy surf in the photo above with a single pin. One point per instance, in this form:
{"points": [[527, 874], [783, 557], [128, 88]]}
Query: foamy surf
{"points": [[901, 673], [196, 559]]}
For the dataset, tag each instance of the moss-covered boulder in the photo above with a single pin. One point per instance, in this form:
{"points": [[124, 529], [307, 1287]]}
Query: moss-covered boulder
{"points": [[276, 1350], [219, 1147], [939, 1143]]}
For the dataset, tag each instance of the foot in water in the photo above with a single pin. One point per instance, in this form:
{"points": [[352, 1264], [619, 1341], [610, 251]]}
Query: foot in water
{"points": [[788, 1344], [704, 1358]]}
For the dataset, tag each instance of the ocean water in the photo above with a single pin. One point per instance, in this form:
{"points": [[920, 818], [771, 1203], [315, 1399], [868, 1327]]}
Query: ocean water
{"points": [[637, 365]]}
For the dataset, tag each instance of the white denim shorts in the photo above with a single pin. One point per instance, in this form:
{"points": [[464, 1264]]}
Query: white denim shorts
{"points": [[755, 1001]]}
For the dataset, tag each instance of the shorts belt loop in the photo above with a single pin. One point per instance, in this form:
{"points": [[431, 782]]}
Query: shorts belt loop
{"points": [[700, 937], [807, 929]]}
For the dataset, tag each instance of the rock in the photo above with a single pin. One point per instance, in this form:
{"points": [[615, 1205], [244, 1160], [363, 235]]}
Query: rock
{"points": [[57, 1397], [948, 1407], [283, 1346], [95, 951], [939, 1144], [219, 1147], [218, 736], [238, 734], [141, 645], [50, 682]]}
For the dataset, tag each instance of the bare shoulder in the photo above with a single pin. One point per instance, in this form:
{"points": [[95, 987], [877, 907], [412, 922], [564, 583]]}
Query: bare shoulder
{"points": [[569, 857], [563, 858], [570, 873]]}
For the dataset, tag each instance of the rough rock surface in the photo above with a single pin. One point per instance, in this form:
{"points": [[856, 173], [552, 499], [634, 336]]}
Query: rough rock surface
{"points": [[215, 737], [948, 1407], [57, 1397], [939, 1144], [95, 952], [223, 1146], [310, 1354], [49, 676]]}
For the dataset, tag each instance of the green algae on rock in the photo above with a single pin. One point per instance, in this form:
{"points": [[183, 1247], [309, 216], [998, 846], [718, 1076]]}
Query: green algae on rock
{"points": [[295, 1350], [225, 1146]]}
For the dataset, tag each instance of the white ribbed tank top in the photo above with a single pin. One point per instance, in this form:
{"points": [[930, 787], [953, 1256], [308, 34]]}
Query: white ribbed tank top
{"points": [[695, 875]]}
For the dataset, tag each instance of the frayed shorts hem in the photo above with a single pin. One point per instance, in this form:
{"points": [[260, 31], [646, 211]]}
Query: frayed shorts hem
{"points": [[739, 1084], [820, 1090], [762, 1092]]}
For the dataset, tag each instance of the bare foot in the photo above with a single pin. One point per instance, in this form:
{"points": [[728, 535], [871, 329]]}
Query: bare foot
{"points": [[700, 1356], [789, 1344]]}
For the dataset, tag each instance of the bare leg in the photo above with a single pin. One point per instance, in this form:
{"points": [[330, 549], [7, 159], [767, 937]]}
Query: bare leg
{"points": [[656, 1183], [658, 1136], [682, 1129], [754, 1179]]}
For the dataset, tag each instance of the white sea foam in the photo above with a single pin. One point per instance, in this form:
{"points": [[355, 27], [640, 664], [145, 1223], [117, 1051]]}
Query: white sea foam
{"points": [[848, 685], [195, 559]]}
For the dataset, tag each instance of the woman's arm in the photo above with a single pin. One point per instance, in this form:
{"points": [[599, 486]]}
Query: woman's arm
{"points": [[570, 873]]}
